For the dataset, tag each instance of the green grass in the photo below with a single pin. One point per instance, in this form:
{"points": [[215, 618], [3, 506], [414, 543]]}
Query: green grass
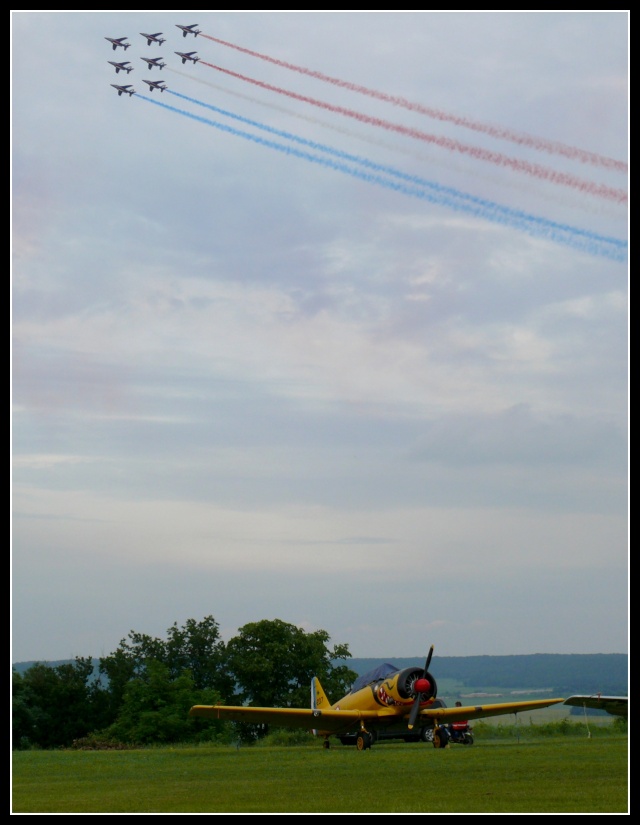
{"points": [[559, 775]]}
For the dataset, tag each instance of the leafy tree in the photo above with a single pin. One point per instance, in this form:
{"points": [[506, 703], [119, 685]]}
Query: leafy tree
{"points": [[196, 646], [273, 663], [155, 709], [22, 713], [151, 683], [52, 706]]}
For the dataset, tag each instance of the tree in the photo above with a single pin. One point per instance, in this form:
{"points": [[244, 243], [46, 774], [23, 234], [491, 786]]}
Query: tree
{"points": [[156, 709], [273, 663], [52, 706], [196, 647]]}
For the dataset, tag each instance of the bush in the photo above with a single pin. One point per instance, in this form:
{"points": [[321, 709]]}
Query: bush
{"points": [[99, 742], [280, 737], [563, 727]]}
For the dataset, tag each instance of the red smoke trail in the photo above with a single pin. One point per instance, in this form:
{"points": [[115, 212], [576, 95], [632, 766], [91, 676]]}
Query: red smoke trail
{"points": [[500, 132], [540, 172]]}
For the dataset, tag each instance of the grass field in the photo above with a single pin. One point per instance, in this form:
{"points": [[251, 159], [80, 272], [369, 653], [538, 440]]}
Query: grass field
{"points": [[560, 775]]}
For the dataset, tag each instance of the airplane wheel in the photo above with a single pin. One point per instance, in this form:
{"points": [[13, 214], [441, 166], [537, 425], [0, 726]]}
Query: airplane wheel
{"points": [[363, 742], [440, 738], [326, 744], [426, 734]]}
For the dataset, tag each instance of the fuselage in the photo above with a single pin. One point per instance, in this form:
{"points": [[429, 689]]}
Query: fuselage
{"points": [[394, 692]]}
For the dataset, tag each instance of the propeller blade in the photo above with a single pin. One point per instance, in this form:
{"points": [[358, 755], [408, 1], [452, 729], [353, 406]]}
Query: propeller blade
{"points": [[428, 662], [415, 708]]}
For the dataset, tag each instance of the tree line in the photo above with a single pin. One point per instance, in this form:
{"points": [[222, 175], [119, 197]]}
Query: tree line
{"points": [[144, 689]]}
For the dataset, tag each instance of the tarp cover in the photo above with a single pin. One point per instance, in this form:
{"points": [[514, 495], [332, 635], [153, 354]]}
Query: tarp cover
{"points": [[379, 672]]}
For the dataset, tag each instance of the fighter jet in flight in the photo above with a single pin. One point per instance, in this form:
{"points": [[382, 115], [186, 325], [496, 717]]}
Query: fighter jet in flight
{"points": [[189, 30], [126, 90], [118, 41], [156, 84], [154, 38], [124, 67], [153, 61], [188, 56]]}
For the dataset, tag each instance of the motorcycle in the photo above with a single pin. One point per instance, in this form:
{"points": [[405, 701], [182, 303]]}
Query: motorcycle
{"points": [[460, 734]]}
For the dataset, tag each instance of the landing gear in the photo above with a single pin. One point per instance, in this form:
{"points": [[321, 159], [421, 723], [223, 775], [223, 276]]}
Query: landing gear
{"points": [[326, 744], [364, 741], [440, 738]]}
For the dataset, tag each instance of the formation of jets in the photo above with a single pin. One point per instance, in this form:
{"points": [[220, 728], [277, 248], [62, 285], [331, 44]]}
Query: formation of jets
{"points": [[118, 41], [122, 67], [156, 84], [156, 37], [188, 56], [124, 90], [189, 30], [153, 61]]}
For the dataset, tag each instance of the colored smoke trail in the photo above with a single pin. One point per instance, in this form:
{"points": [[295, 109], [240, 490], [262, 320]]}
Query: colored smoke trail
{"points": [[572, 199], [500, 132], [497, 158], [613, 249], [368, 137], [515, 216]]}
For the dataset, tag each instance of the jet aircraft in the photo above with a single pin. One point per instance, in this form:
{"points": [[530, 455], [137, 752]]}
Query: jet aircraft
{"points": [[379, 701], [154, 61], [124, 66], [615, 705], [154, 38], [188, 56], [127, 90], [189, 30], [156, 84], [118, 41]]}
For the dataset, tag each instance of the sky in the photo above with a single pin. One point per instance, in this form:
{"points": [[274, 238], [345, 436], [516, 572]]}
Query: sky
{"points": [[333, 330]]}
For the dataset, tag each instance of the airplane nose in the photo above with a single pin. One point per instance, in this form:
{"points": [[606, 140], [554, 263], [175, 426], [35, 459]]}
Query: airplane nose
{"points": [[422, 685]]}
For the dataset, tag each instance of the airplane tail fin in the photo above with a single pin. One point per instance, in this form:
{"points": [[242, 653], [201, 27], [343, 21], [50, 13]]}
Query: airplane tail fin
{"points": [[319, 699]]}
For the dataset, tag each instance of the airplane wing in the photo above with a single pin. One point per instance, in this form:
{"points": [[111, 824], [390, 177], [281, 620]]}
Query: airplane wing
{"points": [[329, 721], [344, 721], [482, 711], [615, 705]]}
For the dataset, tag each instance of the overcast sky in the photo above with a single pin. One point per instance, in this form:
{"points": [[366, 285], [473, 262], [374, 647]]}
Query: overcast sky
{"points": [[287, 348]]}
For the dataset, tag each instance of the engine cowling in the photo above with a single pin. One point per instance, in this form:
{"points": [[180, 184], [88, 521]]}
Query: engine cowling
{"points": [[406, 680]]}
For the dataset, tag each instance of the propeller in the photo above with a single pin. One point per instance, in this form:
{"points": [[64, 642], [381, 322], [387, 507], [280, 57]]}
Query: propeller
{"points": [[421, 685]]}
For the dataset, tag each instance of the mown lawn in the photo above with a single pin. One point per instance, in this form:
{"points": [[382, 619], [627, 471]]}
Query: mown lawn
{"points": [[558, 775]]}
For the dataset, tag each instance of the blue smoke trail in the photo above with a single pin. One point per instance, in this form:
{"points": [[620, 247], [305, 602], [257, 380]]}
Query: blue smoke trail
{"points": [[612, 248], [514, 214]]}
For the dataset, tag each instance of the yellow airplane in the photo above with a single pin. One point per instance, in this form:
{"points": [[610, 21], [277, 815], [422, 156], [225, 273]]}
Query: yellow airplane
{"points": [[405, 697]]}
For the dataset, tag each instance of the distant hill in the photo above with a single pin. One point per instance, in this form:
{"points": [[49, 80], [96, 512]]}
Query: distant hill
{"points": [[21, 667], [563, 673]]}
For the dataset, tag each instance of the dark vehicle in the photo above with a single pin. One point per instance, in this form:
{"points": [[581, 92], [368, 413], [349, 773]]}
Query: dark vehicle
{"points": [[460, 733], [422, 734]]}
